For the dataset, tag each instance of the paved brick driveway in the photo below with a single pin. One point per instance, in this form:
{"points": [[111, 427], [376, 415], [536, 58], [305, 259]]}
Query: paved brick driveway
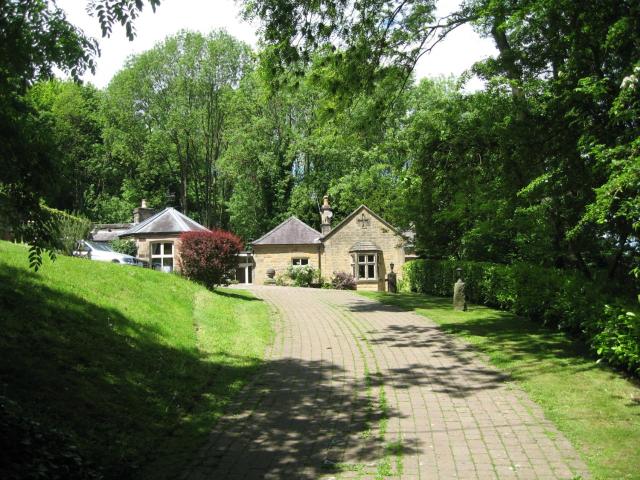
{"points": [[355, 389]]}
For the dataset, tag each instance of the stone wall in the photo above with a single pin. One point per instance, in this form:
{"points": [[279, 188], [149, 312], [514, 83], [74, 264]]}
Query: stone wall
{"points": [[279, 258], [336, 256]]}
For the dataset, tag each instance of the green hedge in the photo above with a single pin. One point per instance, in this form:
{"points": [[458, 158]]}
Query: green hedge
{"points": [[552, 296]]}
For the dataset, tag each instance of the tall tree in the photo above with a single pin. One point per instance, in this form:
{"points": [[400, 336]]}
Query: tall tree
{"points": [[168, 110]]}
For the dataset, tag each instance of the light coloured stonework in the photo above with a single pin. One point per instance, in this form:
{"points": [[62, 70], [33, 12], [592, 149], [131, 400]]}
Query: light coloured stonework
{"points": [[336, 256], [339, 250], [280, 257]]}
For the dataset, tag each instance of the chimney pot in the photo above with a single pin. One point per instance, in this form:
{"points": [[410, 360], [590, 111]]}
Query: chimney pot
{"points": [[326, 212]]}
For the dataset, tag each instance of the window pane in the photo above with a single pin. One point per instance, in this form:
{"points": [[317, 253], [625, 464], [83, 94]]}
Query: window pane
{"points": [[304, 261], [370, 258], [371, 271], [296, 261], [156, 263], [155, 249], [168, 248], [361, 258], [167, 264], [361, 271]]}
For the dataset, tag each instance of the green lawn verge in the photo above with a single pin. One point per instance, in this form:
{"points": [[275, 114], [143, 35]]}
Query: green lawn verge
{"points": [[597, 408], [133, 365]]}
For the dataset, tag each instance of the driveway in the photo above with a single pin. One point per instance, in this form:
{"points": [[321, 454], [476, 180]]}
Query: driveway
{"points": [[355, 389]]}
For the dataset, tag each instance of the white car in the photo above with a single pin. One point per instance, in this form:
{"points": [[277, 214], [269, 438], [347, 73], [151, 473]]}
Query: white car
{"points": [[104, 253]]}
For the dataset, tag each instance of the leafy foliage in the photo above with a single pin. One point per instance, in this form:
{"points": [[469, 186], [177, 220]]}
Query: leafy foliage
{"points": [[343, 281], [209, 257], [303, 276], [35, 37], [69, 229], [128, 247], [29, 449], [552, 296]]}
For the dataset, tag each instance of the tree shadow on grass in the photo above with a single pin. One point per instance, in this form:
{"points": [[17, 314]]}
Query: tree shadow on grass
{"points": [[515, 340], [227, 292], [136, 406]]}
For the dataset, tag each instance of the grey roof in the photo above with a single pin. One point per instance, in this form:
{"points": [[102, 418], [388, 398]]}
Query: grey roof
{"points": [[106, 232], [292, 231], [168, 220], [364, 246]]}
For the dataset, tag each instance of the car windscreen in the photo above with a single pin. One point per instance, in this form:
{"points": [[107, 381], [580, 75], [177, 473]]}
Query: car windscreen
{"points": [[100, 246]]}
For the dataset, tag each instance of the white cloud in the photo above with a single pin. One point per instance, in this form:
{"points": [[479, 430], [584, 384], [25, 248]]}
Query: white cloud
{"points": [[454, 55]]}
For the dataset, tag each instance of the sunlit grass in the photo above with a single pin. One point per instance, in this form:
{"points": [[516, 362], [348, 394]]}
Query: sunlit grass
{"points": [[597, 408], [135, 364]]}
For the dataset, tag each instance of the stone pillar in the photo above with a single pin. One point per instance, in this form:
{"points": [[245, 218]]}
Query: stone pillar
{"points": [[459, 296], [392, 280]]}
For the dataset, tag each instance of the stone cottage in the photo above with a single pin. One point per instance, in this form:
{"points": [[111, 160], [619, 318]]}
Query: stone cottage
{"points": [[157, 235], [363, 244]]}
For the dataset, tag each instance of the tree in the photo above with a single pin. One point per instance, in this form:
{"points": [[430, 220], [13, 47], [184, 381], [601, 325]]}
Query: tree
{"points": [[209, 257], [35, 37], [167, 112]]}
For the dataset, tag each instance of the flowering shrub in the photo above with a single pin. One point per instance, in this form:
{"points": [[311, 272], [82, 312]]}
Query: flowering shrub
{"points": [[209, 257], [343, 281], [302, 276]]}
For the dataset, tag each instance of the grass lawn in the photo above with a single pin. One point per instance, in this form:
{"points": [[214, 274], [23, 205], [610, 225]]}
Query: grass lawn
{"points": [[135, 365], [597, 408]]}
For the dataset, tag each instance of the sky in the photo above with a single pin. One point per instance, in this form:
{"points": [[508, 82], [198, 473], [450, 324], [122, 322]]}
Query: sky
{"points": [[454, 55]]}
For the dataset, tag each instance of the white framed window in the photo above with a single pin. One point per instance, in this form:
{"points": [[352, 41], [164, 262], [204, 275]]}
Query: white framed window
{"points": [[162, 256], [299, 262], [366, 266]]}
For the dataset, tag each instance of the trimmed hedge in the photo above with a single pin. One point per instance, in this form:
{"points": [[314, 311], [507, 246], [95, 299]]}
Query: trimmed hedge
{"points": [[551, 296]]}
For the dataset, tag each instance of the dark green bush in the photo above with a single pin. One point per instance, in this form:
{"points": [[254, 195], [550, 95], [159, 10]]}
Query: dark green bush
{"points": [[68, 229], [31, 450], [554, 297]]}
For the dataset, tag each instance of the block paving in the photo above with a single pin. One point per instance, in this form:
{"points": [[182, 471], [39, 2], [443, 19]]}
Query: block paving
{"points": [[355, 389]]}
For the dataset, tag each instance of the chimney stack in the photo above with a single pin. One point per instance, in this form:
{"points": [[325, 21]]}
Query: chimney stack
{"points": [[326, 213], [141, 213]]}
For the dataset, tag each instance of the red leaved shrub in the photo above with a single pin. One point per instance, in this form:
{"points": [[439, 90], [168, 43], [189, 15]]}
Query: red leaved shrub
{"points": [[209, 257]]}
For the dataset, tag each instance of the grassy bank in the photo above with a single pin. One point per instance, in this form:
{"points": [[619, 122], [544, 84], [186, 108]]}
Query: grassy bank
{"points": [[597, 408], [133, 366]]}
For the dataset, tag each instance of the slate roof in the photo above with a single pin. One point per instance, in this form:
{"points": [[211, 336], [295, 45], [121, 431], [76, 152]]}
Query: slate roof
{"points": [[168, 220], [292, 231], [105, 232]]}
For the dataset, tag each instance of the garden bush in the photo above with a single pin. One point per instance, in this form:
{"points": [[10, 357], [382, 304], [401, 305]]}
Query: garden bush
{"points": [[343, 281], [303, 276], [566, 300], [67, 229], [209, 257]]}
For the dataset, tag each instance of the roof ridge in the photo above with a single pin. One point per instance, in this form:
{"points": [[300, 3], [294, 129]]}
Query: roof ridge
{"points": [[281, 225], [178, 216]]}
